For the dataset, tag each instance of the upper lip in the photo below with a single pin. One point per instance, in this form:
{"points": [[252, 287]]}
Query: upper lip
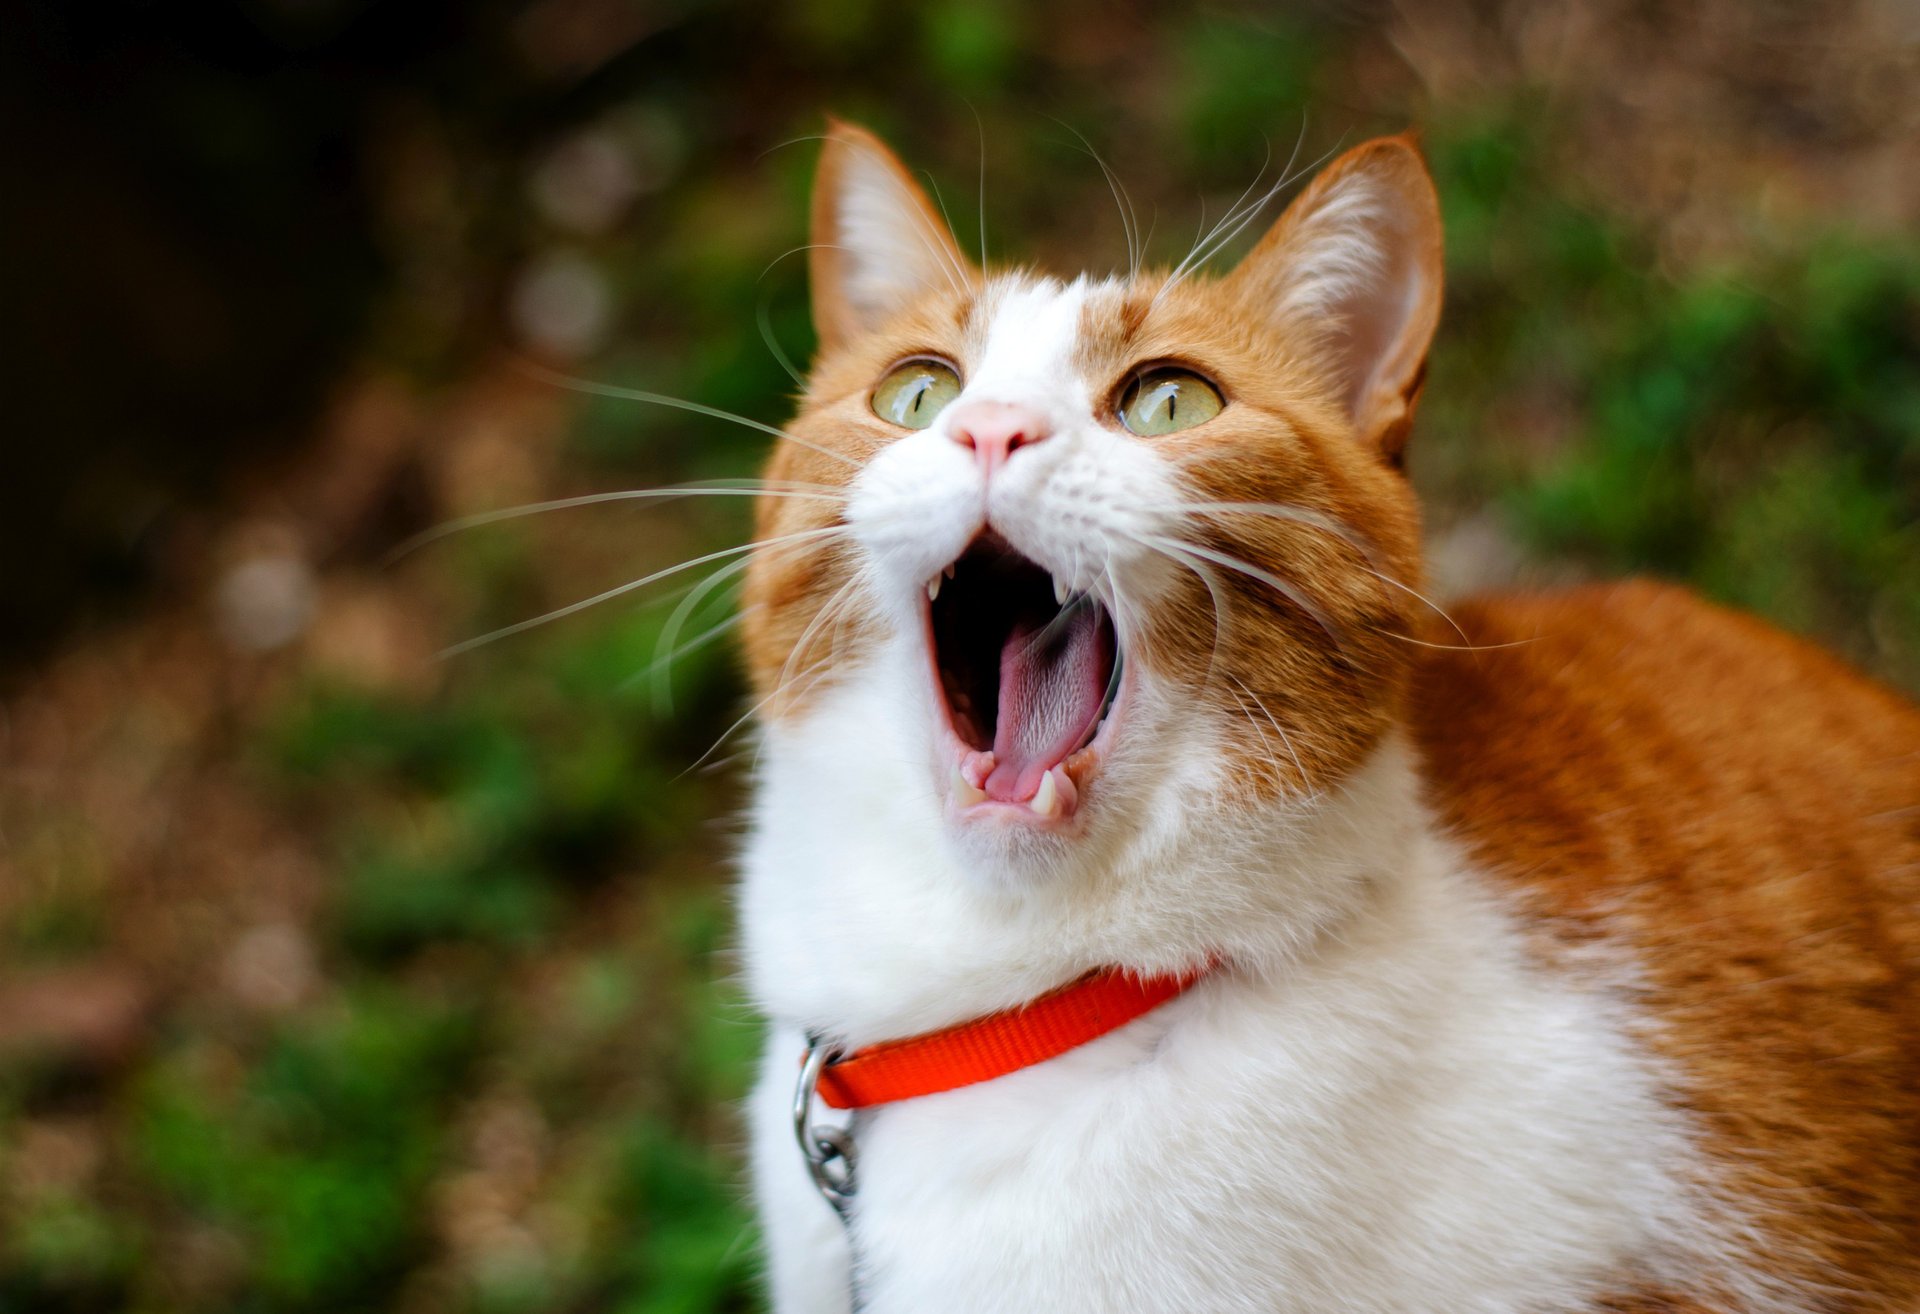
{"points": [[1025, 674]]}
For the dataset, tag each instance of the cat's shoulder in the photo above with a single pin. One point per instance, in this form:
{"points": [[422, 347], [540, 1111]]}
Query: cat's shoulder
{"points": [[1590, 682], [1592, 739]]}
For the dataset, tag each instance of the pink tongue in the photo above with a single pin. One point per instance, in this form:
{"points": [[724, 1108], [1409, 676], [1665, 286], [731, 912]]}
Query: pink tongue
{"points": [[1050, 696]]}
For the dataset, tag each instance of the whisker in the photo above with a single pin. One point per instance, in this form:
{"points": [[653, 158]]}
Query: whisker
{"points": [[1252, 211], [939, 200], [1239, 698], [621, 590], [790, 141], [1129, 220], [1313, 791], [813, 627], [667, 661], [980, 127], [1285, 589], [1317, 520], [1206, 577], [1217, 240], [678, 403], [670, 632], [764, 318], [1193, 255], [1455, 647], [745, 488], [1286, 511], [1123, 630], [1046, 633], [820, 671], [1240, 695], [745, 718], [796, 250], [1431, 605]]}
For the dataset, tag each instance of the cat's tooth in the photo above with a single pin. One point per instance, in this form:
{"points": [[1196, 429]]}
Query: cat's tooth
{"points": [[948, 572], [1046, 799], [965, 793], [933, 588], [1060, 591]]}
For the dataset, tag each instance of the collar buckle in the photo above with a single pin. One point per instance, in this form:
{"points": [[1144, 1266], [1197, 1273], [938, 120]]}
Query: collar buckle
{"points": [[829, 1150]]}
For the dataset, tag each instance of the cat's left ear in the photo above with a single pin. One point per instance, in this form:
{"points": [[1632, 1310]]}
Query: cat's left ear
{"points": [[1354, 267], [878, 244]]}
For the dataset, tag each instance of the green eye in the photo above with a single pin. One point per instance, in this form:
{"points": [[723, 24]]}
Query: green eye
{"points": [[1167, 401], [914, 393]]}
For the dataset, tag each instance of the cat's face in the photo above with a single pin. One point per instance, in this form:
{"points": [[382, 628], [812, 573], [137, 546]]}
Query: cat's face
{"points": [[1106, 551]]}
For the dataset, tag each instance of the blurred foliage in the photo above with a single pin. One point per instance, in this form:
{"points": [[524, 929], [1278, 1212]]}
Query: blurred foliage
{"points": [[394, 984], [1752, 430]]}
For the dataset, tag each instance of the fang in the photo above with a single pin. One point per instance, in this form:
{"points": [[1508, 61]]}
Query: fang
{"points": [[965, 793], [1046, 799]]}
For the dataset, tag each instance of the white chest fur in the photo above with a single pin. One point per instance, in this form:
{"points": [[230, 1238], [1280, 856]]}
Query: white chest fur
{"points": [[1398, 1113]]}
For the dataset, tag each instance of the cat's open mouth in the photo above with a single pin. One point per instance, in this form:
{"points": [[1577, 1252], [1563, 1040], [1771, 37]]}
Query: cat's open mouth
{"points": [[1027, 674]]}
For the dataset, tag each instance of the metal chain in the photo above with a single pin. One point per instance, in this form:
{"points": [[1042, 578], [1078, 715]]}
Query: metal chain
{"points": [[831, 1155]]}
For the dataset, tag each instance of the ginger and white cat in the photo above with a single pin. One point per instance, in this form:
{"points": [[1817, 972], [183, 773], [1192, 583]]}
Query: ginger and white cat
{"points": [[1566, 961]]}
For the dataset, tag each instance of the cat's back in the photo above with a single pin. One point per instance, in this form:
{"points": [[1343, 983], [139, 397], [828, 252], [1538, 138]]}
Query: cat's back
{"points": [[1739, 813]]}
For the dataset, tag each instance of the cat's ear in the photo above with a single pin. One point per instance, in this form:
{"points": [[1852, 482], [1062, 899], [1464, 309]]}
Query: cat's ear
{"points": [[878, 243], [1354, 266]]}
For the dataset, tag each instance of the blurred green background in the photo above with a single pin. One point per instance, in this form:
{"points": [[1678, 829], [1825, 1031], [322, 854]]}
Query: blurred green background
{"points": [[338, 975]]}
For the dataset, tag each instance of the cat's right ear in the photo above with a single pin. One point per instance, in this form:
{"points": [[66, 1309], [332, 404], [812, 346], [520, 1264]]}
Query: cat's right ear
{"points": [[877, 241]]}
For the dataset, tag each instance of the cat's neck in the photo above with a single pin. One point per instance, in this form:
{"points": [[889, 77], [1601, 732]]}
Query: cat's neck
{"points": [[862, 922]]}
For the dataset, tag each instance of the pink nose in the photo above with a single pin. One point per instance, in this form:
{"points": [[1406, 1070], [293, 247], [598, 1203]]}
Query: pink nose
{"points": [[993, 429]]}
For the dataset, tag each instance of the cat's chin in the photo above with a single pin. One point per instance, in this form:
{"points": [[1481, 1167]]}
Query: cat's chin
{"points": [[1008, 854]]}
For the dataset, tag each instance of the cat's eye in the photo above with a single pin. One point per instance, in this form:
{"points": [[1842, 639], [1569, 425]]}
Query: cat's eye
{"points": [[1167, 401], [915, 392]]}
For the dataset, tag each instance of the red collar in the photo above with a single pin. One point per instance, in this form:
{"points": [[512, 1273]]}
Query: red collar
{"points": [[999, 1043]]}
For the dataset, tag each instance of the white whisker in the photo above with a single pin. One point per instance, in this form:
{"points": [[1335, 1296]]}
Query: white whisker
{"points": [[813, 627], [1129, 220], [1431, 605], [1286, 511], [980, 126], [1207, 578], [1236, 220], [664, 653], [1313, 791], [1284, 588], [763, 317], [746, 488], [781, 685], [692, 645], [677, 403], [1455, 647], [621, 590]]}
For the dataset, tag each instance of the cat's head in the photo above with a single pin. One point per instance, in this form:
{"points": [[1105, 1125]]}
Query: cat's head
{"points": [[1111, 560]]}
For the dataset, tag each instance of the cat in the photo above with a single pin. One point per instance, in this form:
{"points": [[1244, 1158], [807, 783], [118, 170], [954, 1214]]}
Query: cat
{"points": [[1560, 955]]}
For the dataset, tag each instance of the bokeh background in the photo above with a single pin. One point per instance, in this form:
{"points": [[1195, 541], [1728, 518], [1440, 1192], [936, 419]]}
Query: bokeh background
{"points": [[339, 974]]}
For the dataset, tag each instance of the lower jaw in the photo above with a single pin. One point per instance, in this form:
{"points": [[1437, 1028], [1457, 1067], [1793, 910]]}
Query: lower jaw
{"points": [[1055, 804], [1075, 777]]}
